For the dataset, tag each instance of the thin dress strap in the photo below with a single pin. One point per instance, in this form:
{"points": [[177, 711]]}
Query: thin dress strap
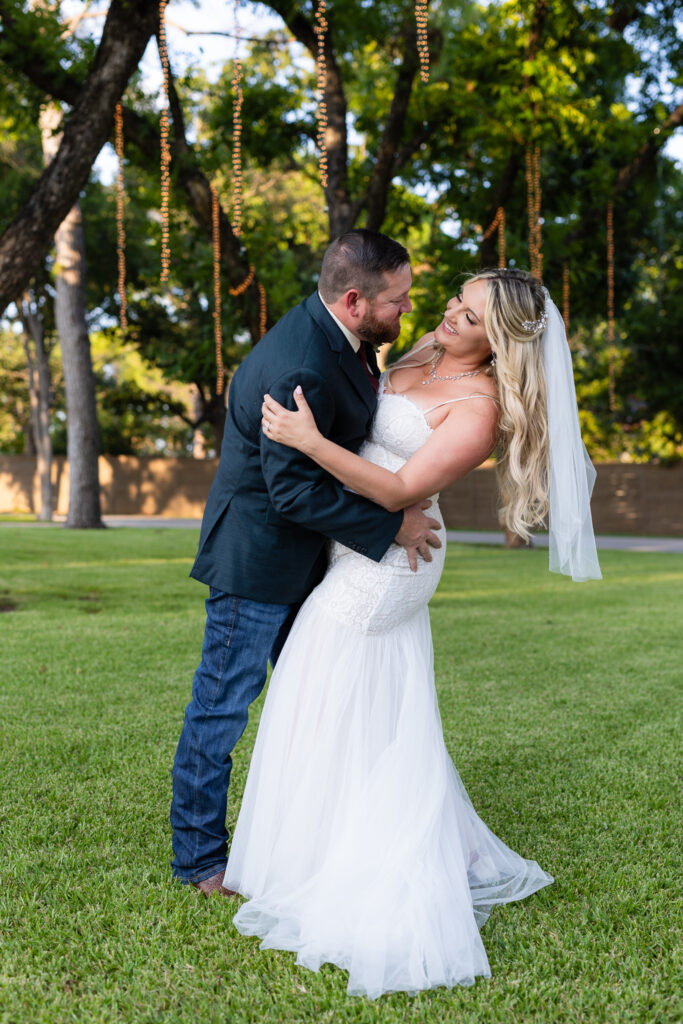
{"points": [[463, 398]]}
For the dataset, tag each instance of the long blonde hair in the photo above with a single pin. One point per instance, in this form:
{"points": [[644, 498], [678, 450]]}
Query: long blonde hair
{"points": [[514, 297]]}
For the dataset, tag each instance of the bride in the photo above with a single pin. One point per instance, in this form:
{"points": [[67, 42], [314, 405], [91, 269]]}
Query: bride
{"points": [[356, 842]]}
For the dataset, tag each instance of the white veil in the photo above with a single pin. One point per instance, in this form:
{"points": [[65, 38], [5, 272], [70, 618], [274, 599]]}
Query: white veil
{"points": [[572, 544]]}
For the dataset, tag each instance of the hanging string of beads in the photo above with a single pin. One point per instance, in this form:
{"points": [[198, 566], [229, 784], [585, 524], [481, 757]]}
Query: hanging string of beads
{"points": [[120, 224], [533, 184], [530, 204], [320, 29], [263, 310], [610, 305], [237, 168], [237, 132], [499, 223], [217, 329], [241, 288], [501, 239], [422, 38], [565, 297], [165, 147]]}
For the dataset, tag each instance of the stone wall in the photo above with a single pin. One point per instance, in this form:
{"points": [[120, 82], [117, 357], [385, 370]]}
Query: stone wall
{"points": [[631, 499]]}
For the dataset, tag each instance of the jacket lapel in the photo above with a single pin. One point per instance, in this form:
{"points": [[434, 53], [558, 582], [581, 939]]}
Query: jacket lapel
{"points": [[348, 360]]}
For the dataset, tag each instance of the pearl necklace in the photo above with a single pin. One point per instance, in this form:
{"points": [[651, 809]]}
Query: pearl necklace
{"points": [[433, 377]]}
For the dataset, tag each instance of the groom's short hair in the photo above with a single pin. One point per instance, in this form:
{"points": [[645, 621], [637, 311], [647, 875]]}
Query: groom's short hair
{"points": [[359, 259]]}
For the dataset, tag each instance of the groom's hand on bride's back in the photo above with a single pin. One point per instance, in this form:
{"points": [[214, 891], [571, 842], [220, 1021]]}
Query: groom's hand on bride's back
{"points": [[416, 534]]}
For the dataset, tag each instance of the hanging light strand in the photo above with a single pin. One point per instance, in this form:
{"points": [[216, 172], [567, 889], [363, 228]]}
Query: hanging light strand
{"points": [[533, 183], [165, 147], [499, 223], [422, 38], [320, 29], [217, 329], [120, 223], [237, 132], [610, 305]]}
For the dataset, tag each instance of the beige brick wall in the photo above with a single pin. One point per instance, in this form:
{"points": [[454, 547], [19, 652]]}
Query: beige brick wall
{"points": [[645, 500]]}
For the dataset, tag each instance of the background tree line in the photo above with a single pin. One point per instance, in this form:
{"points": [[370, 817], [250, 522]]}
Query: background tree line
{"points": [[595, 88]]}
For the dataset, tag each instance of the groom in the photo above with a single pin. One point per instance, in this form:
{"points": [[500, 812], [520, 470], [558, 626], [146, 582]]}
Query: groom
{"points": [[270, 512]]}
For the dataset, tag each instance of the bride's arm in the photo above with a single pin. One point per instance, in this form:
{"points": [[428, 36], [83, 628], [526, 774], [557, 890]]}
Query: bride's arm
{"points": [[460, 443]]}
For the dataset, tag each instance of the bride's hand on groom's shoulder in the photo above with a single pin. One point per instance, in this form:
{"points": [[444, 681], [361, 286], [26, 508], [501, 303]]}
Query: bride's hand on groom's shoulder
{"points": [[294, 429]]}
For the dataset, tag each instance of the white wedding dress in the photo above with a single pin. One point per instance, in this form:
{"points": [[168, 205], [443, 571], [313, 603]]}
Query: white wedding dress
{"points": [[356, 842]]}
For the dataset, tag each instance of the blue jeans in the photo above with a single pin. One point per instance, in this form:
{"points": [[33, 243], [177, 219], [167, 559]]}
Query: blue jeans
{"points": [[239, 638]]}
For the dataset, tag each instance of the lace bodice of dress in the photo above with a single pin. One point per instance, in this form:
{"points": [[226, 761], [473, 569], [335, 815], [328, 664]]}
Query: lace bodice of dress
{"points": [[375, 597], [399, 429]]}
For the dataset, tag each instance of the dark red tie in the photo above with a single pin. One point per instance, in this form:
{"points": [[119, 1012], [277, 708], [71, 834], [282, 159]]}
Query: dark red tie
{"points": [[363, 356]]}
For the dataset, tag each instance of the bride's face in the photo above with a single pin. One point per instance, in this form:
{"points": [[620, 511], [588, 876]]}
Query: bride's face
{"points": [[462, 332]]}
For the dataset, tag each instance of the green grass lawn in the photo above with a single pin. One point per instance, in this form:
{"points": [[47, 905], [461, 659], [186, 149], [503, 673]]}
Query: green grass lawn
{"points": [[559, 706]]}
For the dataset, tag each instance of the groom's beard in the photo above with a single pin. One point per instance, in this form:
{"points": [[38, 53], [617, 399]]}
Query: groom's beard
{"points": [[377, 332]]}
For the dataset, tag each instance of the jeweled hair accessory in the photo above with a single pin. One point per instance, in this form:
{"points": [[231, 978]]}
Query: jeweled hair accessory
{"points": [[534, 326]]}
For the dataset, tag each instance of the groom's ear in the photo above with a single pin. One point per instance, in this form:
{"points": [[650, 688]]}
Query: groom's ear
{"points": [[353, 302]]}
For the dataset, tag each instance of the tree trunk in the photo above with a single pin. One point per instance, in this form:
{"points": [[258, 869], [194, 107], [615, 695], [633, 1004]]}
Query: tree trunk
{"points": [[198, 442], [39, 398], [82, 430], [342, 210], [208, 408], [216, 416], [513, 540]]}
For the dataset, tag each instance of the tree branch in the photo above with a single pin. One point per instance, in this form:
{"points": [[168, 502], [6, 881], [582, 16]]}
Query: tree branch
{"points": [[623, 14], [228, 35], [385, 161], [648, 151], [143, 135], [197, 190], [297, 23], [126, 31], [594, 216]]}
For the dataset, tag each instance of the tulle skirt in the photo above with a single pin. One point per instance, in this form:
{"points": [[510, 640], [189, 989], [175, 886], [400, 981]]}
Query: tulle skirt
{"points": [[356, 842]]}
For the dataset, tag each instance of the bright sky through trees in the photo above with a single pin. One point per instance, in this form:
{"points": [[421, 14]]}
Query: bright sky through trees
{"points": [[212, 51]]}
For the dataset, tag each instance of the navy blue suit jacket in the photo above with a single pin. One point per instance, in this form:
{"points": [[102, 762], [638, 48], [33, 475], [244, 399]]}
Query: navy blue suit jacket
{"points": [[270, 508]]}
